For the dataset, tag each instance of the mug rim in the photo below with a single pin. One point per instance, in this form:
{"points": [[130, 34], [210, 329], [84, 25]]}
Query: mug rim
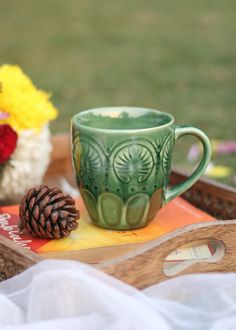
{"points": [[108, 109]]}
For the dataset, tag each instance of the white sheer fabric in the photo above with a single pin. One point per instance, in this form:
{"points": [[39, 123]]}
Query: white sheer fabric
{"points": [[70, 295]]}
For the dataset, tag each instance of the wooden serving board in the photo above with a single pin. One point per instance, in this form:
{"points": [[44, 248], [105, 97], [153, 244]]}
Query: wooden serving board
{"points": [[143, 266]]}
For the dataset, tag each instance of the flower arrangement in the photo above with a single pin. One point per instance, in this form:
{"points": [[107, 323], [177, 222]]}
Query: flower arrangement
{"points": [[25, 144]]}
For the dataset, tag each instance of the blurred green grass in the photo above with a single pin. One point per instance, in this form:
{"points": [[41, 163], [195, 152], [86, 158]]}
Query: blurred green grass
{"points": [[176, 56]]}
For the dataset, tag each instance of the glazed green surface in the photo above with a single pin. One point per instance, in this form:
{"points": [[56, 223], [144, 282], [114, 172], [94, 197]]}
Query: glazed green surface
{"points": [[123, 174], [118, 118]]}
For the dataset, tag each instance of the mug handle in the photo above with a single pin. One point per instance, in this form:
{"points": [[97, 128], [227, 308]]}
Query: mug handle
{"points": [[178, 189]]}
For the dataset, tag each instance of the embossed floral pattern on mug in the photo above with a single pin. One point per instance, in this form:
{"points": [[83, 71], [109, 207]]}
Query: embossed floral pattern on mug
{"points": [[122, 159], [133, 162]]}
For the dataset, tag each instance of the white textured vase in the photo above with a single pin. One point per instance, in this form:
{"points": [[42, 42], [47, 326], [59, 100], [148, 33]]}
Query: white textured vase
{"points": [[27, 166]]}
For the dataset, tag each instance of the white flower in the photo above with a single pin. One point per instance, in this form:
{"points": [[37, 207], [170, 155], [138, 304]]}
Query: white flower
{"points": [[27, 166]]}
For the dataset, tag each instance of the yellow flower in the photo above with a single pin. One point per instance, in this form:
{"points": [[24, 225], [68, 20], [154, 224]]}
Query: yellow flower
{"points": [[22, 105]]}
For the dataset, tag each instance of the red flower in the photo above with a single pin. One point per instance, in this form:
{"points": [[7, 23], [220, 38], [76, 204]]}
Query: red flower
{"points": [[8, 140]]}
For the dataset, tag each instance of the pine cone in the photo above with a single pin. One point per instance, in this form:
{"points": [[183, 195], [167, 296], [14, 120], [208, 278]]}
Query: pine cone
{"points": [[48, 213]]}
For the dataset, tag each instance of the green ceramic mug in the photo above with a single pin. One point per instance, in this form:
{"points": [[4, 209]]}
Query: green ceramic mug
{"points": [[122, 159]]}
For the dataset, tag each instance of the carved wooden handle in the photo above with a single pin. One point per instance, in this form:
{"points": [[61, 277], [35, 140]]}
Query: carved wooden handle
{"points": [[144, 266], [14, 261]]}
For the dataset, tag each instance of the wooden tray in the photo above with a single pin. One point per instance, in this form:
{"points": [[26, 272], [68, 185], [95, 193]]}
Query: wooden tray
{"points": [[144, 266]]}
